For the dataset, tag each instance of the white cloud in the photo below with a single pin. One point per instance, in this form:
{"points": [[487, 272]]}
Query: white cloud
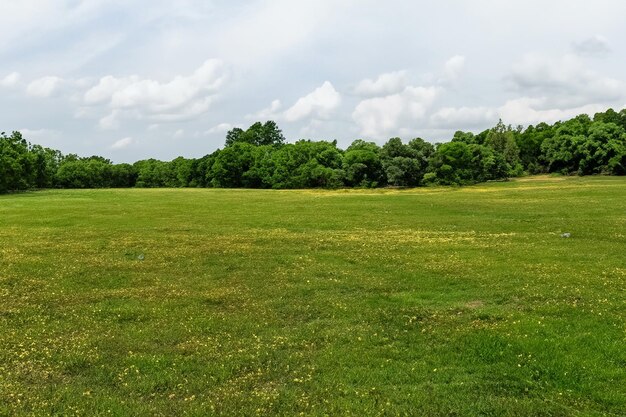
{"points": [[10, 80], [265, 43], [181, 98], [178, 92], [122, 143], [270, 112], [596, 45], [156, 96], [110, 122], [311, 129], [95, 26], [527, 110], [381, 116], [320, 103], [265, 30], [190, 111], [82, 113], [44, 87], [220, 128], [565, 80], [38, 134], [453, 68], [106, 87], [388, 83], [522, 111], [179, 134], [463, 117]]}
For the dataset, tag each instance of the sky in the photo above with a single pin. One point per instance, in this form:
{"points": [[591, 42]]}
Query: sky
{"points": [[139, 79]]}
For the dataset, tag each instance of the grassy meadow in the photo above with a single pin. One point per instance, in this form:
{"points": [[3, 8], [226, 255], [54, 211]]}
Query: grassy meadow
{"points": [[437, 301]]}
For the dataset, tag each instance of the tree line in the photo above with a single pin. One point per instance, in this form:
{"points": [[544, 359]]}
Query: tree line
{"points": [[260, 157]]}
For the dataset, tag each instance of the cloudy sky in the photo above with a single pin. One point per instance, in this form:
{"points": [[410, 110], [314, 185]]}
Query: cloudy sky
{"points": [[151, 78]]}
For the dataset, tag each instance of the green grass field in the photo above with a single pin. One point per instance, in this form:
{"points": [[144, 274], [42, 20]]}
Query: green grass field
{"points": [[438, 301]]}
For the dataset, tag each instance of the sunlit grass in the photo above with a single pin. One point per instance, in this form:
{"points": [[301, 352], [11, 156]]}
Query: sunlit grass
{"points": [[437, 301]]}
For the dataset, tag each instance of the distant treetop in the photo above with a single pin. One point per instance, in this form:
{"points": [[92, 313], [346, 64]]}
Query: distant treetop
{"points": [[258, 134]]}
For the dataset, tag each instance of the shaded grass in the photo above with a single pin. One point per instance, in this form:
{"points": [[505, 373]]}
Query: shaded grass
{"points": [[353, 302]]}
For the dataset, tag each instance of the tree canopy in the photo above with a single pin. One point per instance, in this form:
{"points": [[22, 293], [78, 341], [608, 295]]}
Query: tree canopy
{"points": [[260, 157]]}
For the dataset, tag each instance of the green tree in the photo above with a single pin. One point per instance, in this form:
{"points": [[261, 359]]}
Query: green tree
{"points": [[405, 165], [92, 172], [152, 173], [258, 134], [183, 171], [231, 164], [529, 143], [611, 116], [46, 164], [123, 176], [362, 165], [466, 137], [561, 151], [602, 149], [450, 164], [17, 164], [307, 164], [502, 140]]}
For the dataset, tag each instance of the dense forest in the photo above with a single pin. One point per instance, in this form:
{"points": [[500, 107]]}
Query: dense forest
{"points": [[259, 157]]}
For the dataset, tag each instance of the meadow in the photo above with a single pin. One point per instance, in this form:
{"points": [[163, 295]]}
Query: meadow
{"points": [[432, 301]]}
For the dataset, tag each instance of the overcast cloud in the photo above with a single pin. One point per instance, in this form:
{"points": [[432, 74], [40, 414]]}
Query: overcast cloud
{"points": [[152, 78]]}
